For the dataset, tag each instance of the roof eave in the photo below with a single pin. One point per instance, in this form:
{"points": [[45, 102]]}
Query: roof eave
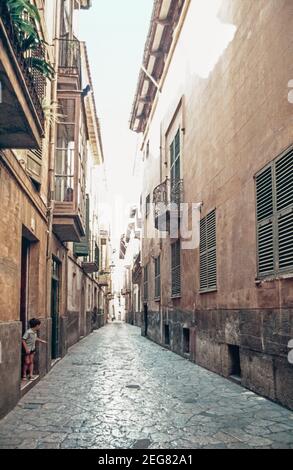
{"points": [[165, 17]]}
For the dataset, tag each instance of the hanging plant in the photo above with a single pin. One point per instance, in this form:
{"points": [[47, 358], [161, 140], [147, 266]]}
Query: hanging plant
{"points": [[51, 112], [24, 17]]}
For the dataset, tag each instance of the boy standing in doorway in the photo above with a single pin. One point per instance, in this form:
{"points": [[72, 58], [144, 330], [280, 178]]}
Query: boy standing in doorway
{"points": [[29, 340]]}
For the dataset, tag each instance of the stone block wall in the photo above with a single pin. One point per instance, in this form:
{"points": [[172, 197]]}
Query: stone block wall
{"points": [[10, 365], [260, 336]]}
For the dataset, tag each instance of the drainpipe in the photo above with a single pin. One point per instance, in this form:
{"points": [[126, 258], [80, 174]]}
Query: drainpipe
{"points": [[52, 136], [51, 160]]}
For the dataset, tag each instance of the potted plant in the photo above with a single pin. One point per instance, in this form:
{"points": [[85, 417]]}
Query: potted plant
{"points": [[24, 17]]}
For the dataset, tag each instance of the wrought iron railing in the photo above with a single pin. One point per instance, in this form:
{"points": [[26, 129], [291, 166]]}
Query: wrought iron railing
{"points": [[176, 191], [166, 193], [69, 57], [34, 80]]}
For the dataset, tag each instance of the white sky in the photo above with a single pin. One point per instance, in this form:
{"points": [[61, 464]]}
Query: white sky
{"points": [[115, 32]]}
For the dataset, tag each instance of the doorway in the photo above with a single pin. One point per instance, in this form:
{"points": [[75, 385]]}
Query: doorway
{"points": [[82, 312], [55, 294], [24, 283], [145, 320]]}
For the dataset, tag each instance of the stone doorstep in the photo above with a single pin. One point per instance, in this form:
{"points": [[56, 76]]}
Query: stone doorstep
{"points": [[28, 385], [235, 378], [55, 361]]}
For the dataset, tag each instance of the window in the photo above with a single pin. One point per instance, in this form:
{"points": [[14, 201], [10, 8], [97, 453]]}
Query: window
{"points": [[208, 253], [82, 157], [274, 213], [234, 361], [158, 278], [147, 205], [175, 168], [176, 269], [145, 284], [65, 150]]}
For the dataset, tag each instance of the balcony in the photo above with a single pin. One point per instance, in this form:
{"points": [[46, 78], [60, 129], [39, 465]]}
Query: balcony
{"points": [[22, 90], [69, 69], [167, 197], [85, 4], [71, 204], [68, 221], [137, 270], [103, 280], [90, 267], [125, 292]]}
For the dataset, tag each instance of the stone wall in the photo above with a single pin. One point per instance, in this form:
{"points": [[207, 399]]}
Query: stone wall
{"points": [[225, 140], [22, 214], [72, 328], [10, 365], [134, 318], [263, 356]]}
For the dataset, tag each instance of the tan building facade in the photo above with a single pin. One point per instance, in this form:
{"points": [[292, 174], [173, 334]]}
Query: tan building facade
{"points": [[217, 133], [50, 145]]}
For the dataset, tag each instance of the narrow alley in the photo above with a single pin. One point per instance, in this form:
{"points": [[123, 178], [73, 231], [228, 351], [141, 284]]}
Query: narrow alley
{"points": [[116, 389], [146, 226]]}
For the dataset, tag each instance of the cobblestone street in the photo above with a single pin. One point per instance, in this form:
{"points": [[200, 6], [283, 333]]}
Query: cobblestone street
{"points": [[116, 389]]}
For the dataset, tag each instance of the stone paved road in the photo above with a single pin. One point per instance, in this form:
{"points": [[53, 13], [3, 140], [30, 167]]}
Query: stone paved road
{"points": [[116, 389]]}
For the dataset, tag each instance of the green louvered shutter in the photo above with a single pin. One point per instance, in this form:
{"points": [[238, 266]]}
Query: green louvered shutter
{"points": [[284, 202], [81, 250], [176, 268], [158, 277], [208, 253], [274, 212], [265, 228]]}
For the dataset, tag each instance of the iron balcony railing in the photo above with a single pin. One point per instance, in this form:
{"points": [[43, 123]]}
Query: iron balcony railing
{"points": [[167, 193], [69, 57], [136, 270], [34, 79]]}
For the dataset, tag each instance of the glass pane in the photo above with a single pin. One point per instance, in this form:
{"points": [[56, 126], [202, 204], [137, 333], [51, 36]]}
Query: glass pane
{"points": [[172, 154], [64, 162], [177, 169], [64, 188], [67, 110], [65, 136]]}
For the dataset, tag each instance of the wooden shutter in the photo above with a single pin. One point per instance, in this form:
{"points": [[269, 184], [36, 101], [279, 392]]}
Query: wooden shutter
{"points": [[175, 168], [265, 229], [208, 253], [274, 212], [176, 268], [284, 202], [158, 277], [82, 249], [34, 164], [97, 255], [147, 205]]}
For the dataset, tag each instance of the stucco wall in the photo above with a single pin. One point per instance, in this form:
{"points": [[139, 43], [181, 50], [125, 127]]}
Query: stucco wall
{"points": [[234, 119]]}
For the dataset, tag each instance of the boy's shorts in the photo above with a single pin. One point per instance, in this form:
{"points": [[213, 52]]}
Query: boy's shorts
{"points": [[28, 354]]}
